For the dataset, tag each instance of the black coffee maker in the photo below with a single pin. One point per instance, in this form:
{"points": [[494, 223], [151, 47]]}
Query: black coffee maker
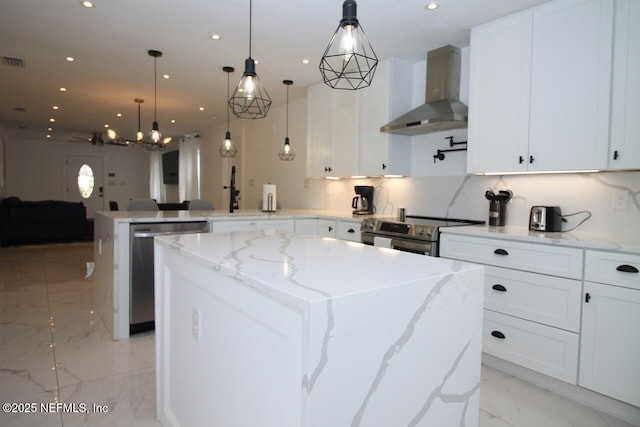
{"points": [[363, 202]]}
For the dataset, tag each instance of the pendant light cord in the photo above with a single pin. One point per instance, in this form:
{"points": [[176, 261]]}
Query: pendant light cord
{"points": [[155, 91], [250, 21], [287, 110], [227, 100]]}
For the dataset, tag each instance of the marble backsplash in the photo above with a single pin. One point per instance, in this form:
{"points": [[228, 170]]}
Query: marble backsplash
{"points": [[463, 197]]}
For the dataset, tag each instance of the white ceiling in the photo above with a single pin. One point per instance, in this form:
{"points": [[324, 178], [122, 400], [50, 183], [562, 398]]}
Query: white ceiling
{"points": [[112, 67]]}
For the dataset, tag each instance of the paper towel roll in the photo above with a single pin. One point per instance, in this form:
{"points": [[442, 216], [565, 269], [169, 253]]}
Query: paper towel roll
{"points": [[269, 202]]}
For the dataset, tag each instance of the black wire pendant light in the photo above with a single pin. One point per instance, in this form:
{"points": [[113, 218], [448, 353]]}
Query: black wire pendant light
{"points": [[155, 136], [250, 99], [228, 148], [286, 153], [349, 61]]}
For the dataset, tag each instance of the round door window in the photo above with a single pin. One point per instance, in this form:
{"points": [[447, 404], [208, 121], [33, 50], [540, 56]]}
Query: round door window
{"points": [[86, 181]]}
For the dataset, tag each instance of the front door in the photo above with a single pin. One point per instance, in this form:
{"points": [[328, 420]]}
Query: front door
{"points": [[85, 182]]}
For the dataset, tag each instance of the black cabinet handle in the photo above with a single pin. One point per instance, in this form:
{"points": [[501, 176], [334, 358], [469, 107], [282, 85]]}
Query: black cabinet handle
{"points": [[616, 155], [520, 159], [587, 297], [500, 252], [351, 230], [626, 268], [498, 334], [531, 159], [384, 166], [498, 287]]}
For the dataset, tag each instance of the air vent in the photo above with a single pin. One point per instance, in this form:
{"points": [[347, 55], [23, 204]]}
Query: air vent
{"points": [[20, 109], [12, 62]]}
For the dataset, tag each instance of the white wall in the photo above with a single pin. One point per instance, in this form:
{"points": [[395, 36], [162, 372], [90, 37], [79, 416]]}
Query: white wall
{"points": [[257, 162], [36, 169]]}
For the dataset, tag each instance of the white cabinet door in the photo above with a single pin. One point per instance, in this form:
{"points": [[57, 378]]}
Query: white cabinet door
{"points": [[348, 230], [227, 226], [345, 132], [610, 347], [624, 152], [500, 71], [319, 130], [306, 226], [570, 85], [382, 153], [326, 228]]}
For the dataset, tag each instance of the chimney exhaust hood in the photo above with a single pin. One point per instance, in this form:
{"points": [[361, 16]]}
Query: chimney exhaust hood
{"points": [[443, 109]]}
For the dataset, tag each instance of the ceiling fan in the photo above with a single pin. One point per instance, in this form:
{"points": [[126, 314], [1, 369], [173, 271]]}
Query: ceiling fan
{"points": [[97, 139]]}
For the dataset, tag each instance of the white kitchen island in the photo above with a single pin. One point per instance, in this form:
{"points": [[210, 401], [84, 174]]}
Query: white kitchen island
{"points": [[277, 329]]}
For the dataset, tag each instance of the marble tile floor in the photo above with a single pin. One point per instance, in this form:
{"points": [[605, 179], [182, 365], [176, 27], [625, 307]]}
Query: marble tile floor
{"points": [[55, 349]]}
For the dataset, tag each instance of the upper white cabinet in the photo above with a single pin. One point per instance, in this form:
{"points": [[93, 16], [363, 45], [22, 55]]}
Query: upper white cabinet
{"points": [[343, 126], [499, 86], [540, 89], [332, 131], [387, 98], [624, 152]]}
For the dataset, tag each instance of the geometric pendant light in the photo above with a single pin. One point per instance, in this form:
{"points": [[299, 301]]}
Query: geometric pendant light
{"points": [[250, 99], [228, 148], [349, 61], [155, 136], [286, 153]]}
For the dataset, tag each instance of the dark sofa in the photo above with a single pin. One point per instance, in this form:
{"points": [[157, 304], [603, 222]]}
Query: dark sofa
{"points": [[41, 221]]}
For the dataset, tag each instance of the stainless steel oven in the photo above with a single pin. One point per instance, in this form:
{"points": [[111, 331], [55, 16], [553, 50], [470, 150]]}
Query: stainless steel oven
{"points": [[417, 234]]}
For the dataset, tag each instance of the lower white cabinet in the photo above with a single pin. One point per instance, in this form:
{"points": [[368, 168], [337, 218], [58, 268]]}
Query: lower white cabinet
{"points": [[327, 227], [245, 225], [306, 226], [344, 230], [542, 348], [532, 301], [610, 344]]}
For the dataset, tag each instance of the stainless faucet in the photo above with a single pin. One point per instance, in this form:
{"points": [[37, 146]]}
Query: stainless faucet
{"points": [[233, 193]]}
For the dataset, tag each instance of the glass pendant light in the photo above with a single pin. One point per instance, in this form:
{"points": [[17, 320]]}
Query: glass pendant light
{"points": [[349, 61], [250, 99], [155, 136], [139, 134], [286, 153], [228, 148]]}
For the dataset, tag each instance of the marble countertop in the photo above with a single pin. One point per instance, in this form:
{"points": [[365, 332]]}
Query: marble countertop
{"points": [[305, 268], [629, 244], [167, 216]]}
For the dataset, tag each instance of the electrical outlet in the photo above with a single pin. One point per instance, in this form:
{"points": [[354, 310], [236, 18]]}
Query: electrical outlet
{"points": [[195, 324], [620, 200]]}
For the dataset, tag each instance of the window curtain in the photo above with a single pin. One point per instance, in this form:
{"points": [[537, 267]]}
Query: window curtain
{"points": [[157, 190], [189, 168]]}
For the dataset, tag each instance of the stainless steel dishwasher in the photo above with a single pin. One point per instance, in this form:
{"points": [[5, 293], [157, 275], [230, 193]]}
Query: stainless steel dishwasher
{"points": [[141, 309]]}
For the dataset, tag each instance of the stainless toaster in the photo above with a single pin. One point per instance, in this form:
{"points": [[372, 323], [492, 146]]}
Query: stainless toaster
{"points": [[545, 218]]}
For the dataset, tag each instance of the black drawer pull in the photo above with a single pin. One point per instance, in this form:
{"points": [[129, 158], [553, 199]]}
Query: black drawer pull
{"points": [[500, 252], [498, 287], [498, 334], [626, 268], [351, 230]]}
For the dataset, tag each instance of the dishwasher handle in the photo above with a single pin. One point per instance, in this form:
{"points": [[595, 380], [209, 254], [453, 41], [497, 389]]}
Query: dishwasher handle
{"points": [[165, 233]]}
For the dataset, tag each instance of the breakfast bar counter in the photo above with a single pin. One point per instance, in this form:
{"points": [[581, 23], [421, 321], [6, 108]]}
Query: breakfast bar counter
{"points": [[275, 329]]}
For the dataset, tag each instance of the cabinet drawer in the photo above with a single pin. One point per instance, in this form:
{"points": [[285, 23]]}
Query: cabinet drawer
{"points": [[613, 268], [544, 349], [541, 258], [553, 301], [347, 230]]}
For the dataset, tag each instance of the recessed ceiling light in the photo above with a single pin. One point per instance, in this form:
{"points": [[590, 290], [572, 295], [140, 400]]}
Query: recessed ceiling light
{"points": [[106, 125], [52, 120], [165, 76], [87, 4], [70, 58], [201, 108], [49, 129], [173, 120], [48, 136], [63, 89], [305, 61], [432, 5], [215, 36], [119, 115], [55, 107]]}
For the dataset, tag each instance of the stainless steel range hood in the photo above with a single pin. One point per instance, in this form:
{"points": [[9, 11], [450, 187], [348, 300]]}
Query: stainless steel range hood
{"points": [[443, 109]]}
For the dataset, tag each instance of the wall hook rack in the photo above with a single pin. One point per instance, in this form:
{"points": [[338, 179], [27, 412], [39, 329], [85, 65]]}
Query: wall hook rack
{"points": [[440, 153]]}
